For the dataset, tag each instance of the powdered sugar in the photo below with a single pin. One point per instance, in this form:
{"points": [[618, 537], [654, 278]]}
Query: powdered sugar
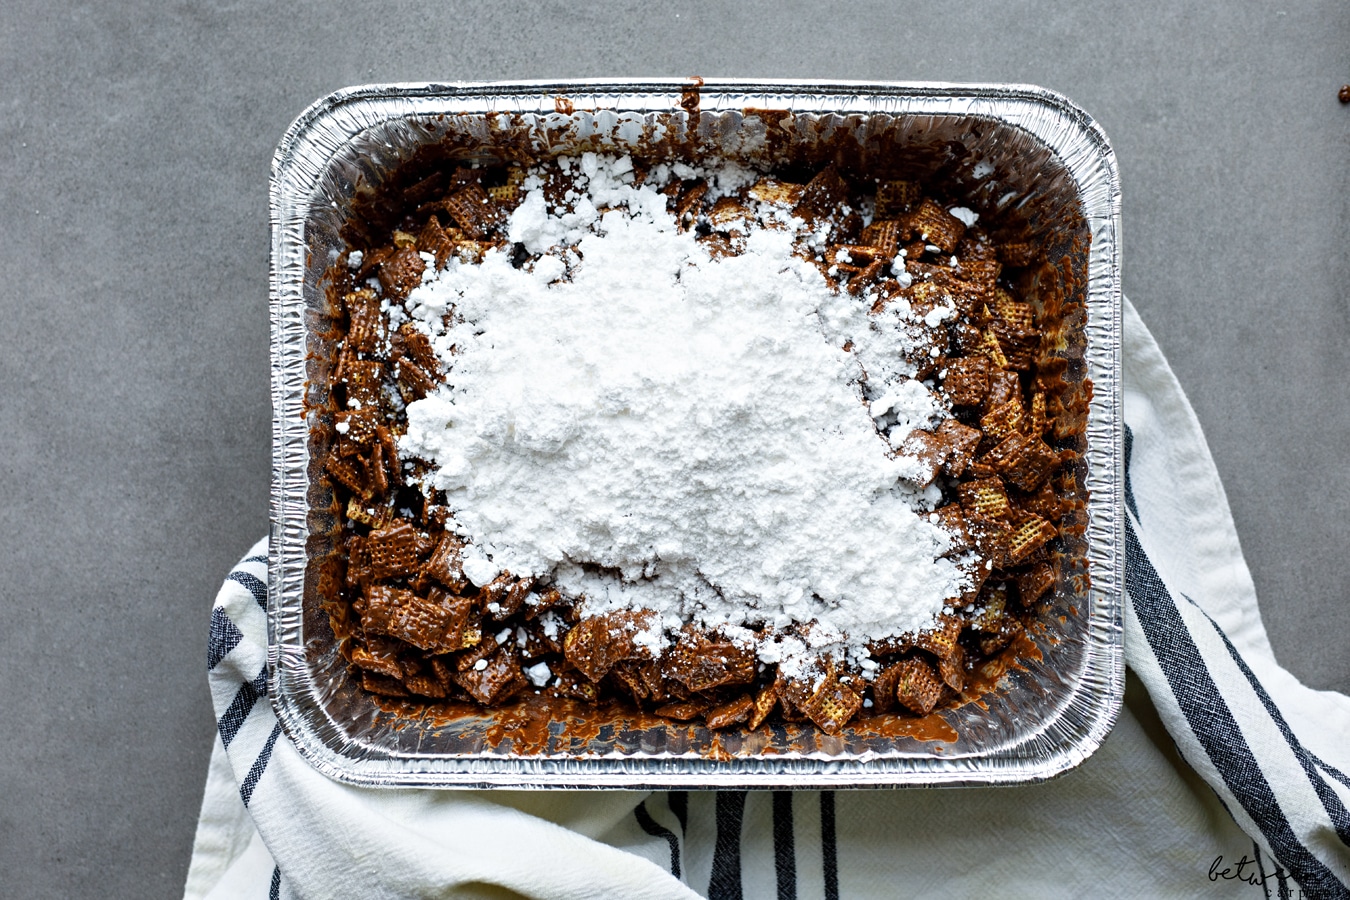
{"points": [[654, 428], [967, 216], [538, 674]]}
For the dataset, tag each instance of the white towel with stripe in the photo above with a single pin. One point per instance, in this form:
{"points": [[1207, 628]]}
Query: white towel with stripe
{"points": [[1225, 777]]}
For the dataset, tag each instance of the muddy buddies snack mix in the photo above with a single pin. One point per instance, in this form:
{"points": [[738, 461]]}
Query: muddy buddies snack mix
{"points": [[728, 444]]}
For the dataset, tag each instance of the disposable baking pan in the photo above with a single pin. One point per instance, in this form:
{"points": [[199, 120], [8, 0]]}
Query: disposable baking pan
{"points": [[1014, 153]]}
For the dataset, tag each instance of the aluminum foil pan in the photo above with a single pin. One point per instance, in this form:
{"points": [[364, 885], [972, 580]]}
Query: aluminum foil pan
{"points": [[1021, 155]]}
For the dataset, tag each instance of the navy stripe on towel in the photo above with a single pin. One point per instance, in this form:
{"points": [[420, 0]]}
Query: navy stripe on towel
{"points": [[241, 706], [784, 846], [259, 765], [725, 881], [274, 892], [829, 847], [255, 587], [1330, 770], [224, 637], [1260, 867], [678, 801], [656, 829], [1129, 454]]}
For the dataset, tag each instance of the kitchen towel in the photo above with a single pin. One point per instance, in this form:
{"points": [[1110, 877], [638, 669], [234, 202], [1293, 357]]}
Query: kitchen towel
{"points": [[1224, 776]]}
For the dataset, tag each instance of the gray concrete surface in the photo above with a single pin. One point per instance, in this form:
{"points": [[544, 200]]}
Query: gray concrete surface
{"points": [[135, 140]]}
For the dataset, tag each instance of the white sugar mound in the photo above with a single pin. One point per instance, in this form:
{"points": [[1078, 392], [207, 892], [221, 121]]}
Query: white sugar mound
{"points": [[668, 431]]}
